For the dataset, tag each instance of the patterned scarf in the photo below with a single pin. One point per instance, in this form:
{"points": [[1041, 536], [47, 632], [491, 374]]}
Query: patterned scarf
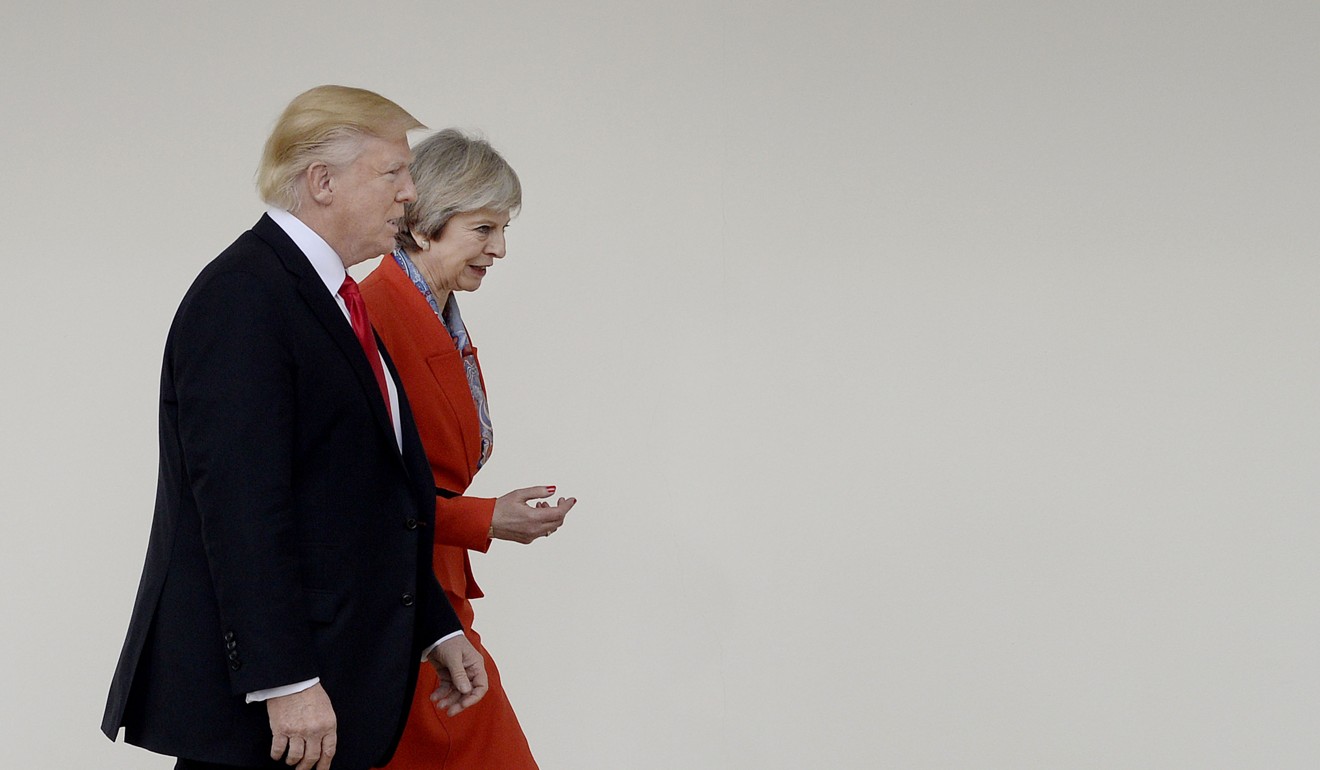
{"points": [[453, 323]]}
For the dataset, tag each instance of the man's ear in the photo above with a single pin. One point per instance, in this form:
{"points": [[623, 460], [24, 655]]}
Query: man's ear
{"points": [[320, 183]]}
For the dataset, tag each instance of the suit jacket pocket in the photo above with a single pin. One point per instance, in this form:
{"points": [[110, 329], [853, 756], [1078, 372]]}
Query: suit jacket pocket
{"points": [[319, 564]]}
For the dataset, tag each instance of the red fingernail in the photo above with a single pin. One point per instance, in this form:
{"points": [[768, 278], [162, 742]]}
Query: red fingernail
{"points": [[551, 488]]}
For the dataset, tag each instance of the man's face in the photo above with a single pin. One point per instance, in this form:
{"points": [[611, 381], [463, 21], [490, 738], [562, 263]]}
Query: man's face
{"points": [[368, 199]]}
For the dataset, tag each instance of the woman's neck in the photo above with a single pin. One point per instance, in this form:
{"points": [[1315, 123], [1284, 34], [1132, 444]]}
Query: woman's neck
{"points": [[441, 295]]}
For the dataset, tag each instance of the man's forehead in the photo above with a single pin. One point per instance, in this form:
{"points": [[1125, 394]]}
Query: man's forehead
{"points": [[389, 151]]}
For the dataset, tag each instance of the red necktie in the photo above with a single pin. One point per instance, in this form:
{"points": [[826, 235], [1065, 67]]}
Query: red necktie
{"points": [[357, 314]]}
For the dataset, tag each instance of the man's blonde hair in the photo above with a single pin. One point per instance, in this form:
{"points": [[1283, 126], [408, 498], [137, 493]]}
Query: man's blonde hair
{"points": [[327, 125]]}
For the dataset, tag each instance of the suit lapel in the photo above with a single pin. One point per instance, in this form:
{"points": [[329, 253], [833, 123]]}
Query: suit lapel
{"points": [[326, 311], [413, 453], [443, 361]]}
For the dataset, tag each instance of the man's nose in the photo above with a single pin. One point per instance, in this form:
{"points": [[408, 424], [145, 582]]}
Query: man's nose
{"points": [[408, 192]]}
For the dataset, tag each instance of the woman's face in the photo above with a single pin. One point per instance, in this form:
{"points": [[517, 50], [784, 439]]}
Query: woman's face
{"points": [[469, 243]]}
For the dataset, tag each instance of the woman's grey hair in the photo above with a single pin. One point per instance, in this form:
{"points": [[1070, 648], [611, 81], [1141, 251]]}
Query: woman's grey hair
{"points": [[455, 173]]}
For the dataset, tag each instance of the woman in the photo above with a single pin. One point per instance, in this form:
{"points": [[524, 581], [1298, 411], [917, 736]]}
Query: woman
{"points": [[449, 237]]}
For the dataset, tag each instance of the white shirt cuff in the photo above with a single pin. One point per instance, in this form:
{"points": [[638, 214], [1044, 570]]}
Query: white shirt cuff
{"points": [[288, 689], [439, 642]]}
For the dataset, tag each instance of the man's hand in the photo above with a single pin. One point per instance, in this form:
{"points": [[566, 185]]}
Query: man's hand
{"points": [[303, 725], [462, 674]]}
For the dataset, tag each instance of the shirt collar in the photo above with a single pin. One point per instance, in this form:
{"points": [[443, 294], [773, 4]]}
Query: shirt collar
{"points": [[327, 264]]}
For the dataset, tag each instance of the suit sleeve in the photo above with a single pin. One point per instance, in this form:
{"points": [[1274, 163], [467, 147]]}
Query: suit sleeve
{"points": [[234, 380], [438, 618]]}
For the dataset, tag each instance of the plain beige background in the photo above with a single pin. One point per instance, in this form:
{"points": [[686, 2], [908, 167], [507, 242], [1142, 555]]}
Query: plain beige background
{"points": [[938, 379]]}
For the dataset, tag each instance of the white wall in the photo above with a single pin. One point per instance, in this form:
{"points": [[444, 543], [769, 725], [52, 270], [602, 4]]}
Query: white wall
{"points": [[938, 379]]}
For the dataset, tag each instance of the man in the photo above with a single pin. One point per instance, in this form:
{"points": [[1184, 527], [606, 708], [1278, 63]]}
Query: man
{"points": [[287, 593]]}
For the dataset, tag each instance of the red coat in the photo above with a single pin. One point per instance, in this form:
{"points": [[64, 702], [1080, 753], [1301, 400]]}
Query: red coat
{"points": [[431, 370]]}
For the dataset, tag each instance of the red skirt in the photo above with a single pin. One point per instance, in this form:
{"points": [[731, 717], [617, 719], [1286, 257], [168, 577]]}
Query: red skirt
{"points": [[482, 737]]}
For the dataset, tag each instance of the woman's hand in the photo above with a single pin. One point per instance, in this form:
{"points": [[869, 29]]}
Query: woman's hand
{"points": [[515, 520]]}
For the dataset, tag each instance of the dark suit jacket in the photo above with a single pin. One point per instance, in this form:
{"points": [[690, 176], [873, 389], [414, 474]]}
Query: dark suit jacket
{"points": [[291, 539]]}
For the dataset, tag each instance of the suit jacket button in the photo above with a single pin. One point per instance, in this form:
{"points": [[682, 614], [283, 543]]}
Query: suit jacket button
{"points": [[408, 600], [231, 645], [235, 664], [229, 636], [233, 655], [411, 523]]}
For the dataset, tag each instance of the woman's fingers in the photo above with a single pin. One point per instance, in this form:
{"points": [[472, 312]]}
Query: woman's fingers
{"points": [[532, 493], [519, 519]]}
